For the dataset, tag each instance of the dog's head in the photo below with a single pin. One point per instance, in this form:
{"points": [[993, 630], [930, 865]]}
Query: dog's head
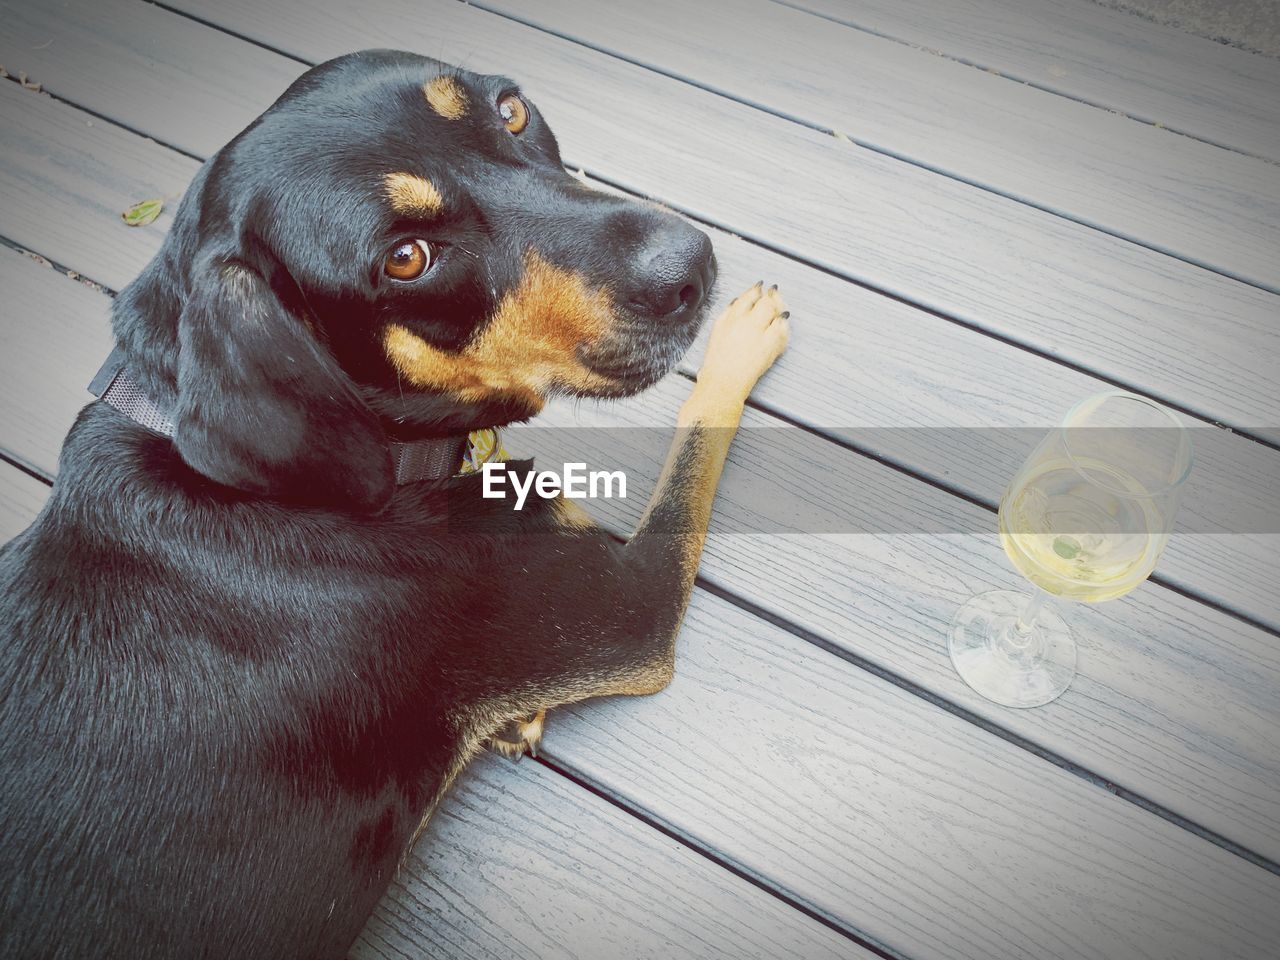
{"points": [[395, 247]]}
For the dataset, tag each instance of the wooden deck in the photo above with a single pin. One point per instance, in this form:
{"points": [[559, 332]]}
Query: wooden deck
{"points": [[979, 212]]}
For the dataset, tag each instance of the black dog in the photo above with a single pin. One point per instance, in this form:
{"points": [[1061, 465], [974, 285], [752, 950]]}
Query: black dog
{"points": [[241, 663]]}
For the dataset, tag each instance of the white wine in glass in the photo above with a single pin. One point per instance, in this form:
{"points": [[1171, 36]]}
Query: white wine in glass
{"points": [[1086, 518]]}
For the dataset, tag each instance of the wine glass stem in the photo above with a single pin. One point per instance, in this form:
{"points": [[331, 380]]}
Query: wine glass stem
{"points": [[1027, 618], [1019, 639]]}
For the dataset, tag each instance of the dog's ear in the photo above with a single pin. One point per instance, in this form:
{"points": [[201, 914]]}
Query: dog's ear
{"points": [[263, 406]]}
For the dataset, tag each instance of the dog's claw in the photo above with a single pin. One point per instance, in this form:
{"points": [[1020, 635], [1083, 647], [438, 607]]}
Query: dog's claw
{"points": [[520, 736]]}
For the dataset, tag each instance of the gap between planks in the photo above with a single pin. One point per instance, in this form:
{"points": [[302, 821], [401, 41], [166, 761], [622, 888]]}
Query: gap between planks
{"points": [[815, 8], [933, 168]]}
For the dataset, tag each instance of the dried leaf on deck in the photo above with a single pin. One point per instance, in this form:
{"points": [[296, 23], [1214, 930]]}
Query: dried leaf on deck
{"points": [[142, 213]]}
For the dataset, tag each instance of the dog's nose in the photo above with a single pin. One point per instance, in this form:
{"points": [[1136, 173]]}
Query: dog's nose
{"points": [[672, 272]]}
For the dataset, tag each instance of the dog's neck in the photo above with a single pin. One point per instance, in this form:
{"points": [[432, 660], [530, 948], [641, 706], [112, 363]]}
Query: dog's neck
{"points": [[433, 458]]}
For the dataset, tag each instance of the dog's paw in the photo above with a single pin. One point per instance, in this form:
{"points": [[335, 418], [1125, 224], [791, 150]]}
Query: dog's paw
{"points": [[519, 736], [745, 340]]}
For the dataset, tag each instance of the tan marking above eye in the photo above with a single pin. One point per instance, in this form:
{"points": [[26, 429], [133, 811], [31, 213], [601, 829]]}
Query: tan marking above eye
{"points": [[446, 97], [412, 195], [528, 346], [514, 113]]}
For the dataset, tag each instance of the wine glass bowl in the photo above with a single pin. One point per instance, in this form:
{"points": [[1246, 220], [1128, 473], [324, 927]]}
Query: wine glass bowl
{"points": [[1085, 518]]}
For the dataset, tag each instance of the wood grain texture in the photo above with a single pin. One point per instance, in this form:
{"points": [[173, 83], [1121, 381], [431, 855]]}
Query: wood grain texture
{"points": [[521, 864], [21, 497], [66, 178], [864, 802], [1161, 189], [1168, 328], [1101, 56], [859, 362], [1174, 700], [965, 410], [54, 334], [89, 36]]}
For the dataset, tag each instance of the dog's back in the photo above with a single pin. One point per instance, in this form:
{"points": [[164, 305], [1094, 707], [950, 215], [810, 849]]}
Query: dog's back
{"points": [[183, 725]]}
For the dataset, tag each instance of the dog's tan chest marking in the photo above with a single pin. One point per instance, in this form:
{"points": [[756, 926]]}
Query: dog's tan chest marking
{"points": [[412, 195], [446, 97], [529, 346], [572, 517]]}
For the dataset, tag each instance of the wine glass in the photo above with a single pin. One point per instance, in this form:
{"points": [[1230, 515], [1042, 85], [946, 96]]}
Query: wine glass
{"points": [[1086, 518]]}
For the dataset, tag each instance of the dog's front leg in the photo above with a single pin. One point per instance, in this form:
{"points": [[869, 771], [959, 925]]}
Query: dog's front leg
{"points": [[624, 642], [745, 341]]}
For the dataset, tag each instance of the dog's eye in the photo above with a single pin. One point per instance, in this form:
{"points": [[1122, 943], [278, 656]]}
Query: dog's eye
{"points": [[408, 260], [514, 112]]}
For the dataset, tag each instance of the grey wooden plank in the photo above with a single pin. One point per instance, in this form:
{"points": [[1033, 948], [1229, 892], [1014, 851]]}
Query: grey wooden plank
{"points": [[1175, 701], [21, 498], [937, 399], [1166, 191], [519, 864], [863, 801], [1133, 315], [859, 362], [65, 44], [1102, 56], [54, 334], [67, 177]]}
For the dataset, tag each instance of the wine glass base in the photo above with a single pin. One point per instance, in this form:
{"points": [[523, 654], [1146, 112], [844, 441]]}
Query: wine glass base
{"points": [[1012, 670]]}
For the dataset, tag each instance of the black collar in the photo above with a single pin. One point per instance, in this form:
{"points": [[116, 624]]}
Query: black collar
{"points": [[413, 461]]}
